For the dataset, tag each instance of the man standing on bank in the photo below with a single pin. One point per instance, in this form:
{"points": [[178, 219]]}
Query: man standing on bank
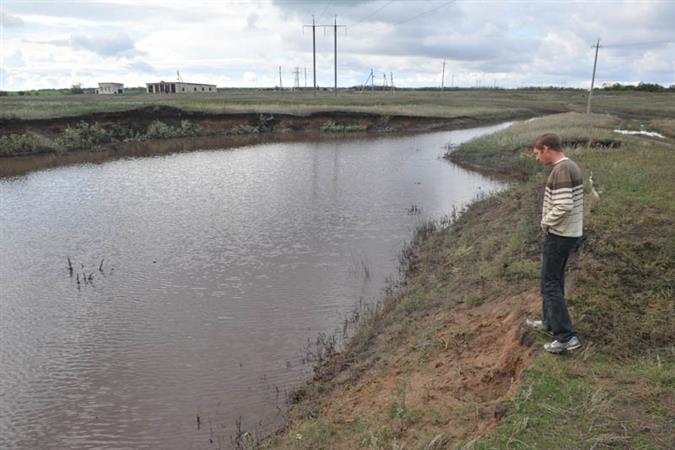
{"points": [[562, 222]]}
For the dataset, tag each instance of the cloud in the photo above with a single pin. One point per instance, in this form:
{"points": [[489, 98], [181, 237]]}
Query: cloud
{"points": [[250, 78], [142, 67], [15, 59], [111, 11], [241, 43], [10, 21], [252, 21], [116, 44]]}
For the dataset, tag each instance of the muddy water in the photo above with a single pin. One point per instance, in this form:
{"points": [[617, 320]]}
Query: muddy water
{"points": [[209, 272]]}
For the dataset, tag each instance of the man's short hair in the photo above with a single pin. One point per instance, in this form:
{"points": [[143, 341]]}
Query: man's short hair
{"points": [[550, 140]]}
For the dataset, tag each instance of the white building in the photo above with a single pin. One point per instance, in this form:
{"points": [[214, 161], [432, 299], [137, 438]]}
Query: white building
{"points": [[179, 87], [110, 88]]}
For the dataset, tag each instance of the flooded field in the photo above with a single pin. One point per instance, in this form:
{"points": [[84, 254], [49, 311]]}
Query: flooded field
{"points": [[197, 280]]}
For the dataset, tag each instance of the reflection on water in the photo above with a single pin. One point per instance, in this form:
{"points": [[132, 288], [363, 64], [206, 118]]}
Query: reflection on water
{"points": [[201, 277]]}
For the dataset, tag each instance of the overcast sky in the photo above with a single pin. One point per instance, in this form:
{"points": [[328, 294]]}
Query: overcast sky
{"points": [[242, 43]]}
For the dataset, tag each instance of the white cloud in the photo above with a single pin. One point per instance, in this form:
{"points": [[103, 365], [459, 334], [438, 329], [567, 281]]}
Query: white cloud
{"points": [[244, 43], [15, 59], [9, 21], [115, 44], [250, 78]]}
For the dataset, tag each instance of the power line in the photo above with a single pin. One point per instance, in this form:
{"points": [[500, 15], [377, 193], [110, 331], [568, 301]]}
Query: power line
{"points": [[425, 12], [363, 19], [325, 8]]}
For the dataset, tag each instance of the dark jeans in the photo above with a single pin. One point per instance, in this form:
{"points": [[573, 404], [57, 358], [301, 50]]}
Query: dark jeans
{"points": [[555, 315]]}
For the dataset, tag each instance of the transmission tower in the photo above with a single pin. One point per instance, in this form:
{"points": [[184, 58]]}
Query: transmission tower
{"points": [[296, 81]]}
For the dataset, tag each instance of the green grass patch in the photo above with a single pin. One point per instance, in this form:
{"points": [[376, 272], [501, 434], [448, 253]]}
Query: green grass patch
{"points": [[485, 103], [586, 402]]}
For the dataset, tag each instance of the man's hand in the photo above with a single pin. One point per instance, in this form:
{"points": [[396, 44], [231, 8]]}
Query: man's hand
{"points": [[544, 228]]}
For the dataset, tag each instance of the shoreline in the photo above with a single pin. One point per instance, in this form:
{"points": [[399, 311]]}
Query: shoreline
{"points": [[215, 131], [446, 362]]}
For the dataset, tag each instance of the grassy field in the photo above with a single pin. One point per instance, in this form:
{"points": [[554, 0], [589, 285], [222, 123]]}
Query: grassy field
{"points": [[450, 103], [445, 362]]}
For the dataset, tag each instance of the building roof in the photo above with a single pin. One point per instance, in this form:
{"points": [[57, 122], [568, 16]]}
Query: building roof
{"points": [[181, 82]]}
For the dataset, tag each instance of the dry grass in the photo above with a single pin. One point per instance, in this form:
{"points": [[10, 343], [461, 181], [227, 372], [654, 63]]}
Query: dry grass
{"points": [[447, 104]]}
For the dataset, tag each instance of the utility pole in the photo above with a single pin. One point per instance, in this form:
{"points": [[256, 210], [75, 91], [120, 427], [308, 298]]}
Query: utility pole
{"points": [[391, 80], [305, 76], [452, 80], [281, 85], [384, 81], [335, 27], [595, 64], [313, 25], [443, 77], [296, 80], [372, 81]]}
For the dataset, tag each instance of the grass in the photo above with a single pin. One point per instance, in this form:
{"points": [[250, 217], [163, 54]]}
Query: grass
{"points": [[448, 104], [663, 126], [589, 403], [440, 358], [510, 150], [627, 252]]}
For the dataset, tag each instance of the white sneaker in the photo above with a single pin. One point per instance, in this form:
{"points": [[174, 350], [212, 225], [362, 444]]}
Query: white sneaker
{"points": [[557, 346]]}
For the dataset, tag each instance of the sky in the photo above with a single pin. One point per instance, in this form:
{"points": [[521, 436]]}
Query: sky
{"points": [[243, 43]]}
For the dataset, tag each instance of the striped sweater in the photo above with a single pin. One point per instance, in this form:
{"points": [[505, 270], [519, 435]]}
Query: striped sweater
{"points": [[563, 210]]}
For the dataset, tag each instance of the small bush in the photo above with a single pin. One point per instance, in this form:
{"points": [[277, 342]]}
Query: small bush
{"points": [[188, 128], [18, 144], [332, 127], [355, 128], [84, 135], [160, 130], [244, 129]]}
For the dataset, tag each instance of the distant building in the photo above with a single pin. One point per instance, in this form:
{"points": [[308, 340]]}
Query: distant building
{"points": [[179, 87], [110, 88]]}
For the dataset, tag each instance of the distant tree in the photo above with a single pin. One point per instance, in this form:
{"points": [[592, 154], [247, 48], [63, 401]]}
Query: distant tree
{"points": [[76, 89], [649, 87], [4, 93], [616, 87], [642, 87]]}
